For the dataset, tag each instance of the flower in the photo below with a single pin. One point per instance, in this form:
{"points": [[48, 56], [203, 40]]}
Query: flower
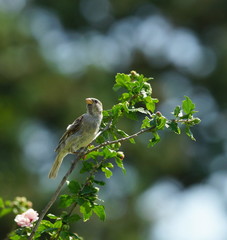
{"points": [[27, 218]]}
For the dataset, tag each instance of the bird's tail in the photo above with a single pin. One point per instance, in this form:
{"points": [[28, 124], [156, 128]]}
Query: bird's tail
{"points": [[56, 165]]}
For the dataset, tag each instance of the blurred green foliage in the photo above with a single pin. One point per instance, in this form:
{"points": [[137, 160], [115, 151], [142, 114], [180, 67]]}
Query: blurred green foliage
{"points": [[36, 95]]}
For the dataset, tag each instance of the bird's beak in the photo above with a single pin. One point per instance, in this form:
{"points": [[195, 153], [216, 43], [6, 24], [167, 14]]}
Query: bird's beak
{"points": [[88, 100]]}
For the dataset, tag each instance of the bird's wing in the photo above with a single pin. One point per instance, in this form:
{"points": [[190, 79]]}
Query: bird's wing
{"points": [[71, 129]]}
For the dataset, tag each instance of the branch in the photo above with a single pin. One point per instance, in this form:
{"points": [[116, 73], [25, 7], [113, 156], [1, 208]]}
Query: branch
{"points": [[120, 140], [57, 192], [64, 179]]}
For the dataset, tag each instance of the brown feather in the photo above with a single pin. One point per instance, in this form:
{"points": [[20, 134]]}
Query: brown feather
{"points": [[71, 129]]}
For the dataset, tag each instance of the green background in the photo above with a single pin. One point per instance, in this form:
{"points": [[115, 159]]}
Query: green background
{"points": [[54, 54]]}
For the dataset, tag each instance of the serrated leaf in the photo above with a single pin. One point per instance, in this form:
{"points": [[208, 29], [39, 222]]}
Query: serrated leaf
{"points": [[189, 133], [46, 223], [89, 189], [99, 210], [147, 87], [160, 122], [177, 111], [57, 224], [174, 127], [105, 113], [92, 155], [150, 104], [139, 109], [187, 105], [107, 171], [74, 186], [120, 164], [146, 123], [125, 96], [154, 140], [66, 201], [71, 219], [86, 210], [117, 110], [196, 121], [122, 80], [108, 153], [125, 106], [131, 115], [87, 166]]}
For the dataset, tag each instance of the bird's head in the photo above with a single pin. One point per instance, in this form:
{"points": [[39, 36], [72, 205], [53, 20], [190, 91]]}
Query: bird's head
{"points": [[94, 106]]}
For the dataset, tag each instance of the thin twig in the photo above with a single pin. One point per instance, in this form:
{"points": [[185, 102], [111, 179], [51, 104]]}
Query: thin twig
{"points": [[64, 179], [55, 195], [120, 140]]}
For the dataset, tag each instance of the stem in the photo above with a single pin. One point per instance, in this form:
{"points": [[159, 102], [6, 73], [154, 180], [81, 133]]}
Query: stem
{"points": [[64, 179], [55, 195], [120, 140]]}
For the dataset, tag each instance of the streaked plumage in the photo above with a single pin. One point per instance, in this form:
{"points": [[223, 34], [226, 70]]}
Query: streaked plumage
{"points": [[78, 134]]}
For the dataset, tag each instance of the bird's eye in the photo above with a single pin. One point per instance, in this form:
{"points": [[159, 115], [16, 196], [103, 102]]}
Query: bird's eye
{"points": [[95, 101]]}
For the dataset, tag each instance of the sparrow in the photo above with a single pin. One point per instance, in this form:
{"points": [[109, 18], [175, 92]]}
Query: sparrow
{"points": [[79, 134]]}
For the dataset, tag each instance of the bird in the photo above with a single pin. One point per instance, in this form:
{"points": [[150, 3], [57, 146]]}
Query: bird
{"points": [[79, 134]]}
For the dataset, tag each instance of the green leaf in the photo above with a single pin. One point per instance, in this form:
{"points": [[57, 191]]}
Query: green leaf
{"points": [[131, 115], [101, 183], [74, 186], [71, 219], [146, 123], [150, 104], [17, 237], [125, 106], [57, 224], [66, 201], [107, 171], [89, 189], [122, 80], [177, 111], [125, 96], [122, 133], [154, 140], [108, 153], [132, 140], [139, 109], [120, 164], [105, 113], [160, 122], [189, 133], [46, 223], [52, 216], [195, 121], [117, 110], [99, 210], [174, 127], [187, 105], [87, 166], [86, 210]]}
